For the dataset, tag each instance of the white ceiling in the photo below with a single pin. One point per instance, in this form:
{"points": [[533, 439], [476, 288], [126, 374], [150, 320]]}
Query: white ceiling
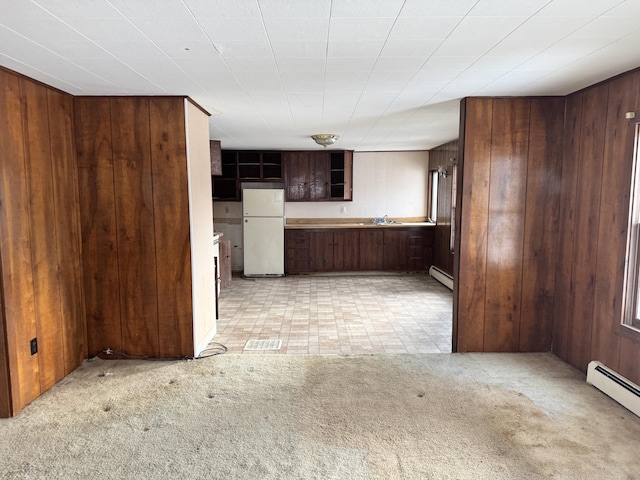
{"points": [[383, 74]]}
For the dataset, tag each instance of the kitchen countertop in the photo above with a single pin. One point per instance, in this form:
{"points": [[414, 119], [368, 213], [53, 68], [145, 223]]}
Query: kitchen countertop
{"points": [[364, 225]]}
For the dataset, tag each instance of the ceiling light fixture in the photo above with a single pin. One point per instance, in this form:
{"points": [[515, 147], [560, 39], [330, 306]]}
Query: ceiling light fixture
{"points": [[325, 139]]}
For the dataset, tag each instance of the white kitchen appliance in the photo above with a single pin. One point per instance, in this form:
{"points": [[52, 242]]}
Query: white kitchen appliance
{"points": [[263, 232]]}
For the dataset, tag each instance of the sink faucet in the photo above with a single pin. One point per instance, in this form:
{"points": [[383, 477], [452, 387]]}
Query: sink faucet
{"points": [[385, 219]]}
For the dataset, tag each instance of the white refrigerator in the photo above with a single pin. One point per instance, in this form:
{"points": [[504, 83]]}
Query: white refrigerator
{"points": [[263, 232]]}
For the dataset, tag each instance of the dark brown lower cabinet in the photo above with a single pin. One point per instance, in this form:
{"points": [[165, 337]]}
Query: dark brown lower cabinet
{"points": [[321, 251], [346, 245], [296, 250], [353, 249], [370, 256]]}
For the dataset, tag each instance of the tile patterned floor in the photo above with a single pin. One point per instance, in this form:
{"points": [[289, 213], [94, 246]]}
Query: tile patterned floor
{"points": [[338, 314]]}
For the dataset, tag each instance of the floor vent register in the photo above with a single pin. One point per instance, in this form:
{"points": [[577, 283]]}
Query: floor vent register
{"points": [[263, 345]]}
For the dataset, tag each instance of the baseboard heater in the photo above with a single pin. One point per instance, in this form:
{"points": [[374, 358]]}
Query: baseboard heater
{"points": [[623, 391], [443, 277]]}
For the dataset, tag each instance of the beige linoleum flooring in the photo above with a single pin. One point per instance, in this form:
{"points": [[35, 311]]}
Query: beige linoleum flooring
{"points": [[337, 314]]}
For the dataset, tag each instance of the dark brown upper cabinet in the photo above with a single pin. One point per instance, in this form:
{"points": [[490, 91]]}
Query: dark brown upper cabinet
{"points": [[245, 166], [318, 176]]}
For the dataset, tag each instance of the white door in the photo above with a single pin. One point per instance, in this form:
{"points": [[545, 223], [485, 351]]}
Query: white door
{"points": [[263, 245]]}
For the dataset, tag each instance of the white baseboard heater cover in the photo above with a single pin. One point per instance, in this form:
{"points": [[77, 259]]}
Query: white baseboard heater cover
{"points": [[623, 391], [443, 277]]}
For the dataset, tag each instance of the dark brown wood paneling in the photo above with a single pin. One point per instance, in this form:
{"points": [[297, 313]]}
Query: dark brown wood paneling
{"points": [[563, 305], [510, 180], [172, 234], [613, 220], [505, 235], [135, 218], [68, 236], [474, 210], [629, 359], [544, 171], [345, 253], [98, 219], [6, 409], [444, 157], [15, 248], [587, 223], [43, 230]]}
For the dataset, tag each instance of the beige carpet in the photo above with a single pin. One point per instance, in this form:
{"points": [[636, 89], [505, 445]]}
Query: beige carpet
{"points": [[431, 416]]}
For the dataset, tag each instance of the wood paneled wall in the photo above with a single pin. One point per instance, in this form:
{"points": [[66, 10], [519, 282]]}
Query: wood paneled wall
{"points": [[596, 185], [40, 244], [444, 157], [135, 224], [508, 198]]}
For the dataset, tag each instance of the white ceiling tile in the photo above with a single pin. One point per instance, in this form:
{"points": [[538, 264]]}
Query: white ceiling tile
{"points": [[297, 29], [507, 7], [65, 85], [350, 64], [486, 30], [610, 28], [424, 87], [118, 36], [252, 65], [423, 28], [202, 51], [436, 8], [345, 81], [301, 64], [86, 9], [179, 29], [346, 29], [240, 49], [299, 8], [265, 81], [410, 48], [303, 82], [366, 8], [400, 63], [447, 64], [155, 9], [307, 48], [227, 29], [569, 8], [363, 80], [223, 8], [364, 48], [629, 8]]}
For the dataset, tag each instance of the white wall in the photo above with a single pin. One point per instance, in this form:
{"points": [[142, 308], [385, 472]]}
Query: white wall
{"points": [[384, 183], [200, 219]]}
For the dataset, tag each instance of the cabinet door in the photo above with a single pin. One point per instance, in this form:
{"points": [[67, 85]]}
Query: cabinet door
{"points": [[297, 175], [319, 165], [216, 157], [396, 249], [296, 244], [346, 245], [421, 241], [371, 251], [321, 251]]}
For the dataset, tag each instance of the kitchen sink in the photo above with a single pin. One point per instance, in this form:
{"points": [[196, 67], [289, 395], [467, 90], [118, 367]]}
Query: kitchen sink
{"points": [[382, 224]]}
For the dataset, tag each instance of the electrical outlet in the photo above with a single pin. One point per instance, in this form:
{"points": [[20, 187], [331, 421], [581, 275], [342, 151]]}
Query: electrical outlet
{"points": [[226, 209], [34, 346], [343, 209]]}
